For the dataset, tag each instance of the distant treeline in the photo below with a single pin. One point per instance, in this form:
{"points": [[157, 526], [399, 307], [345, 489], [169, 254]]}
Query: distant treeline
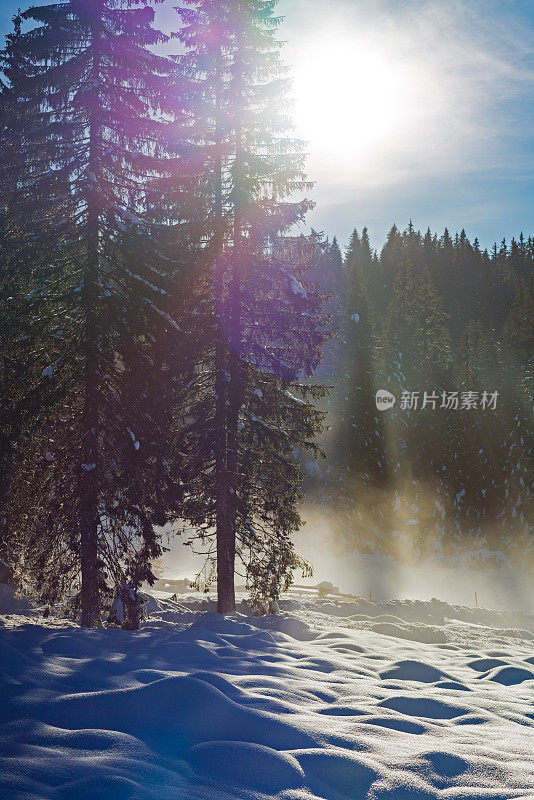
{"points": [[442, 316]]}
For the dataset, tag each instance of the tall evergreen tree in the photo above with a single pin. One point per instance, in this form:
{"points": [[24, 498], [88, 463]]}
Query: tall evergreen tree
{"points": [[90, 470], [24, 247], [361, 435], [269, 326]]}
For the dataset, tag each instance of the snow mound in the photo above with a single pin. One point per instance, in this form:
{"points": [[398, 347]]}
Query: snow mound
{"points": [[250, 766], [485, 664], [411, 670], [341, 771], [417, 633], [509, 676], [423, 707], [202, 713]]}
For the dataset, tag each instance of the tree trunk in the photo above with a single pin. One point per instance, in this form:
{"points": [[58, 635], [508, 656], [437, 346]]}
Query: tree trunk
{"points": [[234, 354], [90, 467], [6, 574], [234, 405], [89, 472], [225, 548], [225, 551]]}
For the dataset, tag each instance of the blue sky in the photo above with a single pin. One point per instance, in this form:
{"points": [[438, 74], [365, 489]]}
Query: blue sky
{"points": [[412, 109]]}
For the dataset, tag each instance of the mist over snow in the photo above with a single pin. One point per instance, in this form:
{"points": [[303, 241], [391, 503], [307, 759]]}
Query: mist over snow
{"points": [[496, 583]]}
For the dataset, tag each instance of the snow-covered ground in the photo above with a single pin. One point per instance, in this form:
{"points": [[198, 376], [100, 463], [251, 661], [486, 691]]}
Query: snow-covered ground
{"points": [[330, 699]]}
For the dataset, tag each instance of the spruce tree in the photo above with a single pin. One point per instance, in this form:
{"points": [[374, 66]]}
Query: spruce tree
{"points": [[24, 247], [90, 469], [268, 324], [415, 357], [361, 432]]}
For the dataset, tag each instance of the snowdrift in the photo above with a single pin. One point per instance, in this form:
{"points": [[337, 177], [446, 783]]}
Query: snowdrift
{"points": [[329, 700]]}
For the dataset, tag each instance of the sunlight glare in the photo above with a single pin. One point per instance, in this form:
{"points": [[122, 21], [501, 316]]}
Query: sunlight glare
{"points": [[355, 100]]}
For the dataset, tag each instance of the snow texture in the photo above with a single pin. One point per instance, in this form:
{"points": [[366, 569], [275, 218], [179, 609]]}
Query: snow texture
{"points": [[295, 399], [48, 372], [330, 699], [294, 285], [133, 437]]}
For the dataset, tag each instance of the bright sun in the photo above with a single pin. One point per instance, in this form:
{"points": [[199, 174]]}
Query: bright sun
{"points": [[355, 101]]}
